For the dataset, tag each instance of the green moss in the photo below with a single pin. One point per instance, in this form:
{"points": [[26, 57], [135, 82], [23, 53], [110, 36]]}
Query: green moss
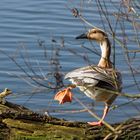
{"points": [[33, 130], [33, 126]]}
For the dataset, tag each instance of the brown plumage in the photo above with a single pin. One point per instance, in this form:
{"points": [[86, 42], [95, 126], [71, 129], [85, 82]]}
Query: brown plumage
{"points": [[92, 79]]}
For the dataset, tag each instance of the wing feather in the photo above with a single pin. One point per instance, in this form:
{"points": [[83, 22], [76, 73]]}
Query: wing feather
{"points": [[92, 75]]}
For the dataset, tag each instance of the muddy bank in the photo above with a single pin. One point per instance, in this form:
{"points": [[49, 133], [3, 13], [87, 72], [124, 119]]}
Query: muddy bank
{"points": [[20, 123]]}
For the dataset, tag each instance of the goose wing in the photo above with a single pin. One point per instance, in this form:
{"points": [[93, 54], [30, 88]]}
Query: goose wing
{"points": [[92, 75]]}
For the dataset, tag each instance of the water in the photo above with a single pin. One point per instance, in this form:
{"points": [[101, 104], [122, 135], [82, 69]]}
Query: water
{"points": [[24, 23]]}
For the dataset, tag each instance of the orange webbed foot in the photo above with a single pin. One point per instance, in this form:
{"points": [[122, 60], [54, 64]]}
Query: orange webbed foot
{"points": [[64, 96], [95, 123]]}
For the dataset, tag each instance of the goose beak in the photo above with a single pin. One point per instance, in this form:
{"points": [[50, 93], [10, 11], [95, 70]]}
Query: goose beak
{"points": [[82, 36]]}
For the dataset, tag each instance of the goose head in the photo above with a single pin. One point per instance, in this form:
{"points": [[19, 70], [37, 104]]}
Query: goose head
{"points": [[94, 34], [102, 38]]}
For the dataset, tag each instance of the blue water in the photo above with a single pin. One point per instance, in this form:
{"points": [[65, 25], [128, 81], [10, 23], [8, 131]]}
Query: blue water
{"points": [[25, 23]]}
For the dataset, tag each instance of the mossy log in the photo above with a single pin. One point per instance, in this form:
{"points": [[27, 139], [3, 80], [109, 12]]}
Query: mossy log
{"points": [[20, 123]]}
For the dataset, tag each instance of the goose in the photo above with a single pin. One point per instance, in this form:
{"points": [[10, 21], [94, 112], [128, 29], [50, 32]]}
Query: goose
{"points": [[98, 82]]}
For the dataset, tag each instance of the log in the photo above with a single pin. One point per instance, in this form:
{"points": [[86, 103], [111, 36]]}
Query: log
{"points": [[18, 122]]}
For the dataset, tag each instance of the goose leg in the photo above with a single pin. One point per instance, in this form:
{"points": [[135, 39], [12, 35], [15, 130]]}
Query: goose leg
{"points": [[65, 95], [99, 123]]}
